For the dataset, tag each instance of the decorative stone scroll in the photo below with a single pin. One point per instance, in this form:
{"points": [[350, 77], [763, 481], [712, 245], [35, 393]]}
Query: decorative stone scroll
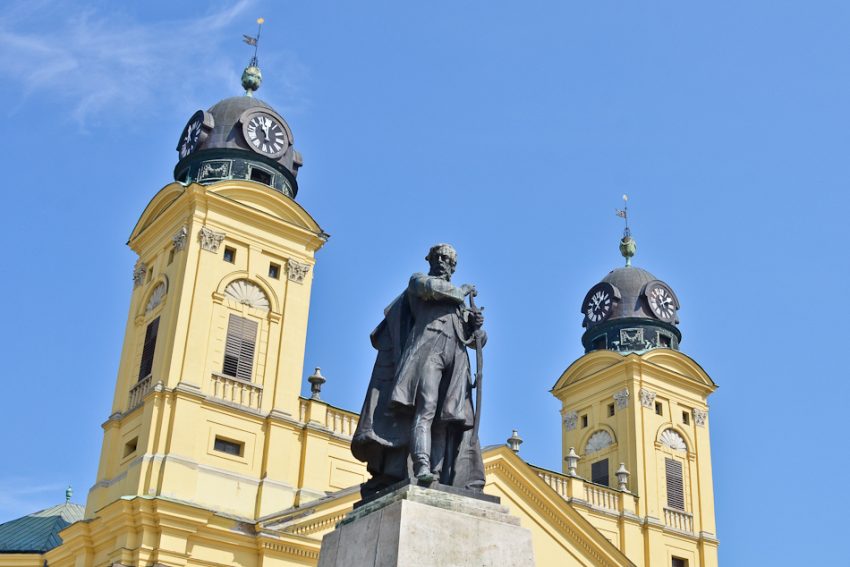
{"points": [[673, 440], [156, 297], [296, 271], [622, 398], [570, 420], [598, 441], [139, 274], [247, 293], [647, 398], [210, 239], [699, 417], [178, 241]]}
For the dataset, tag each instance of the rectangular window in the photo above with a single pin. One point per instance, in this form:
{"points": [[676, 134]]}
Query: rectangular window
{"points": [[659, 409], [686, 418], [228, 446], [130, 446], [274, 270], [229, 254], [664, 341], [239, 348], [600, 343], [679, 562], [261, 176], [148, 350], [584, 421], [610, 410], [599, 472], [675, 484]]}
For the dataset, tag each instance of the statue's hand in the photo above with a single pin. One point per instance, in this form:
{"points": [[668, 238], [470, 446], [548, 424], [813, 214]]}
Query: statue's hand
{"points": [[467, 289], [478, 319]]}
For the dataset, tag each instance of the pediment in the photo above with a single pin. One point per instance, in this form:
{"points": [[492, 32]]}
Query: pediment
{"points": [[680, 363], [157, 206], [270, 202], [588, 365]]}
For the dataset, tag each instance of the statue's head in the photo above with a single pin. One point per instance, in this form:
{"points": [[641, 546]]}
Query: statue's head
{"points": [[443, 259]]}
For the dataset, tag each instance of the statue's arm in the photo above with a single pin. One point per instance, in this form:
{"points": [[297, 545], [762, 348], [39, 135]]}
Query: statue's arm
{"points": [[430, 288]]}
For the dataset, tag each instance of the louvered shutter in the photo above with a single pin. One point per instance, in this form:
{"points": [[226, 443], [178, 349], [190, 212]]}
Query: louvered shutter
{"points": [[150, 346], [599, 472], [239, 347], [675, 484]]}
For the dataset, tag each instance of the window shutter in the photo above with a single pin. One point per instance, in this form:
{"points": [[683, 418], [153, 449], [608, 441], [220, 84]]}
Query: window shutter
{"points": [[239, 347], [149, 348], [675, 484], [599, 472]]}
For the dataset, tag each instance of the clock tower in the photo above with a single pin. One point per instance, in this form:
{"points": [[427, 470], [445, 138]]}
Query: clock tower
{"points": [[207, 410], [634, 415]]}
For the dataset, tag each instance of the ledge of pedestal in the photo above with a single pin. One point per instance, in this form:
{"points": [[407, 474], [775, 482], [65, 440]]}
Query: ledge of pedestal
{"points": [[413, 526]]}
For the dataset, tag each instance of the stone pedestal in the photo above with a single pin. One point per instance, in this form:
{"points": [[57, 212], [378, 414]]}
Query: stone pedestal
{"points": [[414, 526]]}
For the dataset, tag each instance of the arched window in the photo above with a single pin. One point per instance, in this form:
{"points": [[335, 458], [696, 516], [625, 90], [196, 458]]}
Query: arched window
{"points": [[247, 293], [239, 347], [673, 469], [599, 440], [241, 342]]}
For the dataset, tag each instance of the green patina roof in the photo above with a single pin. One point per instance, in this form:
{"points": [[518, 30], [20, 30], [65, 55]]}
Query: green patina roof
{"points": [[38, 532]]}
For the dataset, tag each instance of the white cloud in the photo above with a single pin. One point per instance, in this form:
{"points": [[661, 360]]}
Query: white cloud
{"points": [[18, 499], [108, 61]]}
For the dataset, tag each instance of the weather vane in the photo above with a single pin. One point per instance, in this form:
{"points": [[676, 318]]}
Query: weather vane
{"points": [[628, 246], [254, 41], [624, 214], [251, 76]]}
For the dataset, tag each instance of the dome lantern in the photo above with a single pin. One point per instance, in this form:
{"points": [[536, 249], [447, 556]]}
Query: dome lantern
{"points": [[630, 310], [240, 137]]}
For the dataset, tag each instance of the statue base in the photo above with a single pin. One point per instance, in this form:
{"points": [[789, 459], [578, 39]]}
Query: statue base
{"points": [[413, 526]]}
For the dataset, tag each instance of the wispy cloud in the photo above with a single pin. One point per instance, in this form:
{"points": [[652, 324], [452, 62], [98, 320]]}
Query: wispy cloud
{"points": [[95, 61], [17, 498]]}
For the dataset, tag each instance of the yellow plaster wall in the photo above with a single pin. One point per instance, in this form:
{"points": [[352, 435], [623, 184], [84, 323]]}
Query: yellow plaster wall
{"points": [[680, 385]]}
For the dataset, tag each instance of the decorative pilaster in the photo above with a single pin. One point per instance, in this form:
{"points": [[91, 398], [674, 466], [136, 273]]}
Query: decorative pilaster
{"points": [[178, 241], [139, 274], [647, 398], [622, 398], [210, 239], [570, 420], [296, 271]]}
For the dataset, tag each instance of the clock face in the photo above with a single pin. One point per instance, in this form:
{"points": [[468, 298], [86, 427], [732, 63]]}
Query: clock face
{"points": [[661, 300], [190, 139], [194, 133], [265, 134], [599, 303]]}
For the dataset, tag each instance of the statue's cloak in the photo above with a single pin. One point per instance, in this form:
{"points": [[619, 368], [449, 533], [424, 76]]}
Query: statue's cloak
{"points": [[382, 437], [380, 426]]}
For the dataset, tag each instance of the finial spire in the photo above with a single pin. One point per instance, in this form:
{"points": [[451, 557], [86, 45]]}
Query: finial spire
{"points": [[68, 493], [628, 246], [251, 76]]}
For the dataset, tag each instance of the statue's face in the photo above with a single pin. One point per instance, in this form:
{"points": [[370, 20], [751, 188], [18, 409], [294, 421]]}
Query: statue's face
{"points": [[442, 264]]}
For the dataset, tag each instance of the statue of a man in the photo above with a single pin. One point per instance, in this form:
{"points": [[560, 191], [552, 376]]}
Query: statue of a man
{"points": [[417, 419]]}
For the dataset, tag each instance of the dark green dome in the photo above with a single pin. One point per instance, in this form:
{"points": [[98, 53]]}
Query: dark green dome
{"points": [[215, 146]]}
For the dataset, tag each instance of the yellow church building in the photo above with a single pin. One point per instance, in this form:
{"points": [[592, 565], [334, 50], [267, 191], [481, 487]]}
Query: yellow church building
{"points": [[211, 457]]}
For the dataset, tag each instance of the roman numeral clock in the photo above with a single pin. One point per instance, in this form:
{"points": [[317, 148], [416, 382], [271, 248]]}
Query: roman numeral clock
{"points": [[266, 133]]}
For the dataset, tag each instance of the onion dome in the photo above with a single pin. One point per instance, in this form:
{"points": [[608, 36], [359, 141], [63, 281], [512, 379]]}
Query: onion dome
{"points": [[240, 137], [630, 310]]}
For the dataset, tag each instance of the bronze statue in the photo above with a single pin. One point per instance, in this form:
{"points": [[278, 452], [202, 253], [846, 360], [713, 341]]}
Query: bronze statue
{"points": [[418, 419]]}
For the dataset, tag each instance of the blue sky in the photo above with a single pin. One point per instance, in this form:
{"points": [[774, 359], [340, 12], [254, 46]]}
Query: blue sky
{"points": [[509, 129]]}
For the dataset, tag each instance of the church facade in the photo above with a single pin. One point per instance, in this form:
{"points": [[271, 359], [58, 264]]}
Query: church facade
{"points": [[211, 457]]}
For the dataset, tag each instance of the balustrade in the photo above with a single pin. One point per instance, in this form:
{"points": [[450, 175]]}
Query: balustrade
{"points": [[679, 520], [237, 391], [341, 422], [138, 392], [601, 497]]}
